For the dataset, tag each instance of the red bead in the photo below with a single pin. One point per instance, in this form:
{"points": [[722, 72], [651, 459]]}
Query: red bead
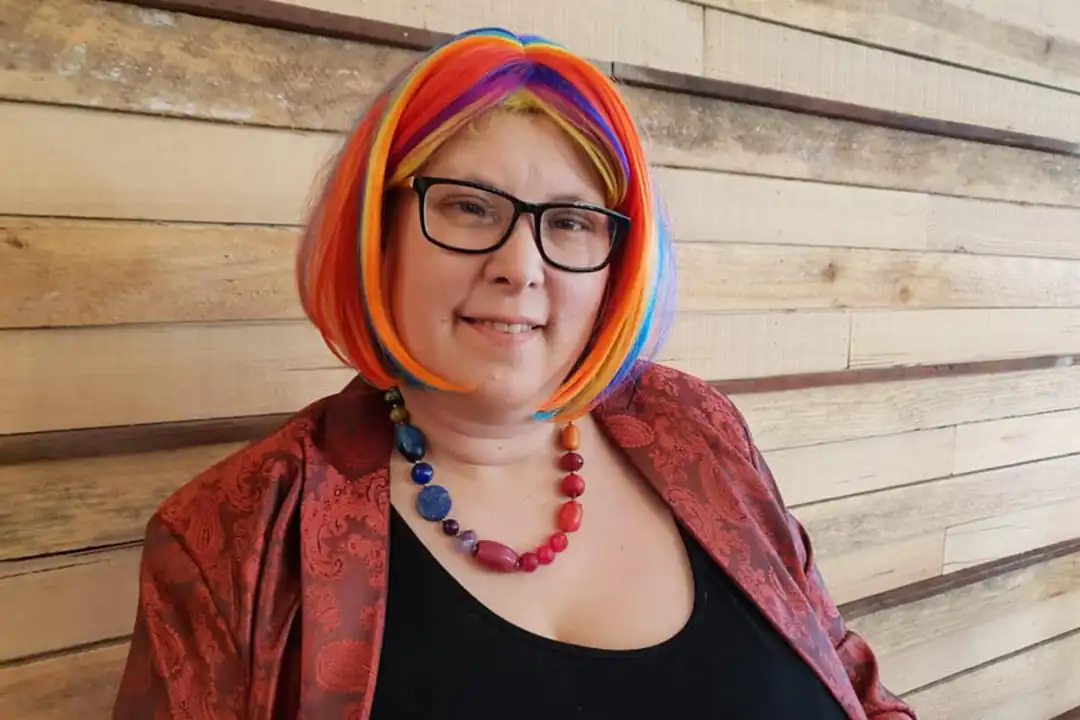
{"points": [[573, 485], [529, 562], [558, 541], [570, 516], [495, 556], [571, 462], [545, 555]]}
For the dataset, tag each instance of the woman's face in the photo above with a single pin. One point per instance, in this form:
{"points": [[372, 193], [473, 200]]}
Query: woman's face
{"points": [[461, 315]]}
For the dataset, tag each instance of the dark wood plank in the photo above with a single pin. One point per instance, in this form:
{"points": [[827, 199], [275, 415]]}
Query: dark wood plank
{"points": [[945, 583], [271, 13]]}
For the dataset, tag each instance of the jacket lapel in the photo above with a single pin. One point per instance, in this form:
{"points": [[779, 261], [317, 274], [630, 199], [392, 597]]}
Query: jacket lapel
{"points": [[681, 437], [344, 524]]}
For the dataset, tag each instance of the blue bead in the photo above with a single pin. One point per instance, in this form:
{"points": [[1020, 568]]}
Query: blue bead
{"points": [[422, 473], [433, 502], [410, 442]]}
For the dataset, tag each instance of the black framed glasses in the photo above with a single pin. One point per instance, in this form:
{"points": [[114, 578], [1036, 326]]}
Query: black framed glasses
{"points": [[468, 217]]}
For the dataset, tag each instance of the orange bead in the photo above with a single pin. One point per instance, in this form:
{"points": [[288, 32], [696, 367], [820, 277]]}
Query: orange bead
{"points": [[570, 437]]}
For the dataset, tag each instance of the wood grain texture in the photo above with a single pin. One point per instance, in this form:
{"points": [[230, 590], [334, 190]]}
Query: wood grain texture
{"points": [[1035, 684], [117, 56], [1016, 440], [746, 50], [960, 32], [642, 34], [887, 338], [708, 206], [794, 418], [1010, 532], [79, 684], [833, 470], [730, 276], [975, 624], [71, 601], [49, 507], [76, 272]]}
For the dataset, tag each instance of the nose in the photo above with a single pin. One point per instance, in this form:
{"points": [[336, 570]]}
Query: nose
{"points": [[518, 262]]}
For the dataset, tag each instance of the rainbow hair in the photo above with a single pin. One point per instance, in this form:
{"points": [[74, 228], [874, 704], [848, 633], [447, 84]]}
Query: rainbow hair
{"points": [[340, 260]]}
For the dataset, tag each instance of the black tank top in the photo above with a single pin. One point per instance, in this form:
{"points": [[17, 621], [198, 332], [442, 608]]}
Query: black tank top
{"points": [[447, 657]]}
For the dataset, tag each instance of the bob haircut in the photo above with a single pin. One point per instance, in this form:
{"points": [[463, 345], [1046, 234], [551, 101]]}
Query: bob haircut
{"points": [[340, 259]]}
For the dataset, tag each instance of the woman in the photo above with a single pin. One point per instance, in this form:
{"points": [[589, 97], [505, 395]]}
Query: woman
{"points": [[489, 256]]}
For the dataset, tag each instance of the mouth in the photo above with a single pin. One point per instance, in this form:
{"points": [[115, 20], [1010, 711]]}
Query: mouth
{"points": [[507, 326]]}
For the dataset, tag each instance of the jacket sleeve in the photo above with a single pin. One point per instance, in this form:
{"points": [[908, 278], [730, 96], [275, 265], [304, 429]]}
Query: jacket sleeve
{"points": [[854, 651], [183, 661]]}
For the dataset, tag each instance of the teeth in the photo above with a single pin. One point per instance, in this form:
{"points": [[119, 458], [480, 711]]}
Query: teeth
{"points": [[508, 327]]}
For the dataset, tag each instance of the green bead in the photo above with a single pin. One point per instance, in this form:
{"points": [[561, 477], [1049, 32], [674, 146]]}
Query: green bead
{"points": [[399, 414]]}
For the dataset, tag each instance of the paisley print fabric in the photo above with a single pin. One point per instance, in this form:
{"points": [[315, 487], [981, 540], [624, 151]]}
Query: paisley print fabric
{"points": [[263, 580]]}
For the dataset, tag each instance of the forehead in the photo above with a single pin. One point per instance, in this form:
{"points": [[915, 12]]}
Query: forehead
{"points": [[524, 153]]}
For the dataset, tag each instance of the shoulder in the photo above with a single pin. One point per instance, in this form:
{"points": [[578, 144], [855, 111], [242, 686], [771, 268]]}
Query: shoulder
{"points": [[668, 399]]}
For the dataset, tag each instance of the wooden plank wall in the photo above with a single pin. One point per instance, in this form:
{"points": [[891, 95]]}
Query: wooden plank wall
{"points": [[896, 311]]}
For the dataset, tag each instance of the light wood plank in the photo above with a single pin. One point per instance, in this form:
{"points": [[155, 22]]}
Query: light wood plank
{"points": [[794, 418], [1016, 440], [779, 277], [62, 505], [962, 32], [974, 624], [143, 374], [84, 163], [833, 470], [80, 684], [930, 337], [121, 57], [706, 206], [1010, 533], [888, 516], [876, 569], [1034, 685], [76, 272], [132, 374], [995, 228], [80, 600], [641, 35], [747, 50], [727, 346]]}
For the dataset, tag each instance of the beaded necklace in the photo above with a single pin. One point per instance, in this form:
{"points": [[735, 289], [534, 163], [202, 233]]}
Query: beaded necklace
{"points": [[433, 501]]}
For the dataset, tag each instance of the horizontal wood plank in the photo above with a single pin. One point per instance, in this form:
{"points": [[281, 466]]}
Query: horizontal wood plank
{"points": [[49, 507], [889, 338], [1032, 685], [160, 373], [118, 56], [746, 50], [716, 277], [78, 684], [1010, 532], [1016, 440], [641, 35], [876, 569], [822, 472], [957, 32], [975, 624], [794, 418], [76, 272], [708, 206], [79, 600]]}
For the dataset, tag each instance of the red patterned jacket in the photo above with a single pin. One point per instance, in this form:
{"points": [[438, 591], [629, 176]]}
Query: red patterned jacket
{"points": [[284, 544]]}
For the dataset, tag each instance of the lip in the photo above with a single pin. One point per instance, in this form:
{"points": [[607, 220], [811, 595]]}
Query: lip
{"points": [[505, 319], [491, 336]]}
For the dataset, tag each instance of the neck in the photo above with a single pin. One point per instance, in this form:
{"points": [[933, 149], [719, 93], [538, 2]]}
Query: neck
{"points": [[460, 434]]}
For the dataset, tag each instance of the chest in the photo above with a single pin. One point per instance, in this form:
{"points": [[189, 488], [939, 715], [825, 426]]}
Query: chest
{"points": [[623, 582]]}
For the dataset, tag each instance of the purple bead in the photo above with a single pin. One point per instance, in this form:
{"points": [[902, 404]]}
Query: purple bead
{"points": [[466, 542], [450, 526]]}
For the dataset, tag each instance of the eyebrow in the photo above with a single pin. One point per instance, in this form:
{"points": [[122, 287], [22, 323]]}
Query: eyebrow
{"points": [[561, 197]]}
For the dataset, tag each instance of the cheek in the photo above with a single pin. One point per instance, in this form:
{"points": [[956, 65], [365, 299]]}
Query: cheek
{"points": [[578, 301]]}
